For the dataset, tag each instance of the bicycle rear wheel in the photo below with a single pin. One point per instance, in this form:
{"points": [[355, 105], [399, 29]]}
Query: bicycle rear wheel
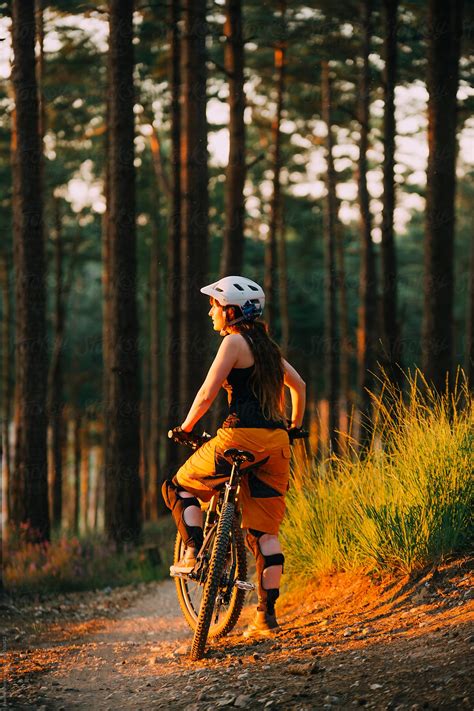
{"points": [[217, 582], [190, 592]]}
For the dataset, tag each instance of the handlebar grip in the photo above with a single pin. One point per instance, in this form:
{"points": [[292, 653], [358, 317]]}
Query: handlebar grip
{"points": [[297, 433]]}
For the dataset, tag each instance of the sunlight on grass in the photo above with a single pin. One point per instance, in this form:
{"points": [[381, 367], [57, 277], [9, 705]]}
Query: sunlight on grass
{"points": [[404, 505]]}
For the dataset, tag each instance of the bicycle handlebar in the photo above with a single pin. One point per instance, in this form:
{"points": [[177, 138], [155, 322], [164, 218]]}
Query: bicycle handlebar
{"points": [[194, 440]]}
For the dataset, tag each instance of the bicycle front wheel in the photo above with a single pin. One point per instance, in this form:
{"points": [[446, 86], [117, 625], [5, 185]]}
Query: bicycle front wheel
{"points": [[217, 582], [190, 592]]}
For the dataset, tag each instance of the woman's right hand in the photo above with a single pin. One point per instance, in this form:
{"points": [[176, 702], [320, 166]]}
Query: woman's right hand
{"points": [[191, 439]]}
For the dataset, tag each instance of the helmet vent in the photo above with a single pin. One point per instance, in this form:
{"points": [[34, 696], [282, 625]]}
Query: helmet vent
{"points": [[254, 288], [217, 288], [237, 286]]}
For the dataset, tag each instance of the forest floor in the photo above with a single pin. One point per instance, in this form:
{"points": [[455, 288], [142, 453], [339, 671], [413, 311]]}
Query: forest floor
{"points": [[345, 642]]}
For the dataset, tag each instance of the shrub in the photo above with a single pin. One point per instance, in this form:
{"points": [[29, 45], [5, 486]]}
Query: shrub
{"points": [[83, 563]]}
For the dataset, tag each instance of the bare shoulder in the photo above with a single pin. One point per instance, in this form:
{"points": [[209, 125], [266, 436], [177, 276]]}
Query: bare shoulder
{"points": [[238, 346], [233, 342], [233, 339]]}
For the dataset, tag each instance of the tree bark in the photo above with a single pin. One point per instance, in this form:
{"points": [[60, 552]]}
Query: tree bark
{"points": [[346, 347], [145, 424], [106, 291], [84, 476], [158, 167], [77, 471], [39, 30], [157, 505], [99, 489], [173, 292], [194, 242], [469, 347], [123, 491], [6, 385], [332, 359], [275, 205], [233, 247], [445, 28], [390, 329], [367, 287], [30, 504], [283, 283], [55, 380]]}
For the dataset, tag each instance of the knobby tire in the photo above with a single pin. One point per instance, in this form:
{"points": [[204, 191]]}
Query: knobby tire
{"points": [[211, 588], [236, 603]]}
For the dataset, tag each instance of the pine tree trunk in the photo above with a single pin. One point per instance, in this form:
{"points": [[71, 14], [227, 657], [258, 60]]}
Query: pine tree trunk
{"points": [[173, 294], [346, 348], [194, 243], [391, 337], [77, 471], [30, 500], [469, 348], [367, 286], [275, 206], [158, 167], [6, 385], [145, 425], [332, 361], [283, 284], [445, 25], [39, 21], [106, 277], [99, 494], [55, 380], [84, 477], [233, 247], [157, 505], [123, 491]]}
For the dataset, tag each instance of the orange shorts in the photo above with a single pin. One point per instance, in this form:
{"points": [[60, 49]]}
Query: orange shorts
{"points": [[262, 493]]}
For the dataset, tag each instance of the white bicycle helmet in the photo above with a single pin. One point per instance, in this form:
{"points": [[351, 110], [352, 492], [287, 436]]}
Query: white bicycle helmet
{"points": [[238, 291]]}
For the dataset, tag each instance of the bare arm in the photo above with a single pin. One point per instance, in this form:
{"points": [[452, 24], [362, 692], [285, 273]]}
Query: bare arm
{"points": [[222, 365], [297, 387]]}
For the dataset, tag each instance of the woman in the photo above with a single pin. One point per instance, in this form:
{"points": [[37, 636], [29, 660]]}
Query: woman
{"points": [[250, 367]]}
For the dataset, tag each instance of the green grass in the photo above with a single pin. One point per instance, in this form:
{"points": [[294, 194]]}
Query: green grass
{"points": [[405, 505], [86, 563]]}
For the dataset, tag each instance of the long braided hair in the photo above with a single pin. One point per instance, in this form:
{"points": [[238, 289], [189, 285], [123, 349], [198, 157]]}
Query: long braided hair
{"points": [[267, 378]]}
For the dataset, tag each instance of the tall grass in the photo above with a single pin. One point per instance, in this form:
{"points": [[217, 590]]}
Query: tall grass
{"points": [[407, 503]]}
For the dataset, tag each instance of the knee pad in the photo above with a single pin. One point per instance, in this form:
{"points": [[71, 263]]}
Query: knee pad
{"points": [[191, 535], [266, 598]]}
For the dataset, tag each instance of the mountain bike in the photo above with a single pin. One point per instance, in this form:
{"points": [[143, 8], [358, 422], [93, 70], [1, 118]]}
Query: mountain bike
{"points": [[212, 595]]}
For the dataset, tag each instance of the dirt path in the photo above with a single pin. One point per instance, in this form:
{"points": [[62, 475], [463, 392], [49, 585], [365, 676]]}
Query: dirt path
{"points": [[351, 642]]}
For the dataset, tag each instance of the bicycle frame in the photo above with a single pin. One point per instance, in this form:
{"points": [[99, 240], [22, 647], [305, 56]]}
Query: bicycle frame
{"points": [[230, 493]]}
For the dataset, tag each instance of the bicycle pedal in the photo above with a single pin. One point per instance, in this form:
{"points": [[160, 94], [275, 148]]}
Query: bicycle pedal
{"points": [[244, 585]]}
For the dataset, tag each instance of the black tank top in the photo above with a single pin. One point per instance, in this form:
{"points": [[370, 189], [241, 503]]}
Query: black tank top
{"points": [[244, 407]]}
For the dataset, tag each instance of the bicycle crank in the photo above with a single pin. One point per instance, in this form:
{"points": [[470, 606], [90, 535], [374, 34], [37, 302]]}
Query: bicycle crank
{"points": [[244, 585]]}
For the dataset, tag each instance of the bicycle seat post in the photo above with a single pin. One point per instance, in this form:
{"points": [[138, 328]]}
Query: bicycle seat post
{"points": [[237, 456]]}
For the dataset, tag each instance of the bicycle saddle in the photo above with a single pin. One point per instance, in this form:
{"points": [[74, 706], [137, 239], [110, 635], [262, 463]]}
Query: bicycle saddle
{"points": [[239, 455]]}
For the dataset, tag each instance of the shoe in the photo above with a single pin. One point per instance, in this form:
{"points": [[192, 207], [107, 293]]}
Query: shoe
{"points": [[263, 625], [186, 564]]}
